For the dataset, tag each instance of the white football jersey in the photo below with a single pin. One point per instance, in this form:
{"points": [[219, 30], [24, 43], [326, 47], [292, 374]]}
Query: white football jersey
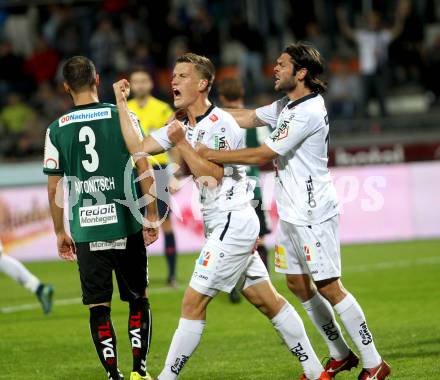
{"points": [[305, 194], [217, 129]]}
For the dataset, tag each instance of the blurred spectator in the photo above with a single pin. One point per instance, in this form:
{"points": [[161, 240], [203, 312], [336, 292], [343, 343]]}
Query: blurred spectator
{"points": [[50, 104], [344, 91], [16, 115], [16, 119], [21, 29], [430, 76], [204, 36], [106, 54], [251, 59], [43, 63], [372, 42], [11, 71], [406, 50], [66, 34], [317, 39]]}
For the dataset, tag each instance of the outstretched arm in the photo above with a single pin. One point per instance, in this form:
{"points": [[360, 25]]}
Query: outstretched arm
{"points": [[247, 156], [245, 118], [134, 140], [344, 26], [402, 12]]}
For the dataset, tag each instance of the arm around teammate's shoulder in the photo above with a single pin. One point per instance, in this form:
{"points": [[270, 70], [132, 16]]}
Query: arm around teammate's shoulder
{"points": [[245, 118]]}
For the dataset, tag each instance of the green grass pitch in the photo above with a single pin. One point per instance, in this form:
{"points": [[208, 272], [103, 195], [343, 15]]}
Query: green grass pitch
{"points": [[397, 285]]}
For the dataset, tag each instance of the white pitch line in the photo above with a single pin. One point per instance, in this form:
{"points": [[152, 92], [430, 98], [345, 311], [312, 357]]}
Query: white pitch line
{"points": [[70, 301], [350, 268]]}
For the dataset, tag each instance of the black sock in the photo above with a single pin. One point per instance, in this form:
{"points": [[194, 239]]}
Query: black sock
{"points": [[104, 337], [262, 250], [170, 254], [139, 333]]}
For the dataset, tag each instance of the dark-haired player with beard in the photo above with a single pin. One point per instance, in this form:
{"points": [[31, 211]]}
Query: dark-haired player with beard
{"points": [[307, 249]]}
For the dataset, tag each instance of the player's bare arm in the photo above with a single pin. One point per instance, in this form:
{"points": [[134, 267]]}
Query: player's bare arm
{"points": [[135, 142], [148, 187], [199, 166], [245, 118], [248, 156], [66, 247]]}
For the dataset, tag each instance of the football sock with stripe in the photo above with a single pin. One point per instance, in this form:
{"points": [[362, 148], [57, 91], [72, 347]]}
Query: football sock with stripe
{"points": [[185, 341], [170, 254], [323, 317], [291, 329], [104, 338], [353, 319], [139, 333]]}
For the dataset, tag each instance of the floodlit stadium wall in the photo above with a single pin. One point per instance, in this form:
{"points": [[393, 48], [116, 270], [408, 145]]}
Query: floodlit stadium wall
{"points": [[378, 203]]}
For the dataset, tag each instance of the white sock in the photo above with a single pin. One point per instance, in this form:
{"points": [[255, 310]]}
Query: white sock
{"points": [[291, 329], [353, 319], [185, 341], [17, 271], [321, 313]]}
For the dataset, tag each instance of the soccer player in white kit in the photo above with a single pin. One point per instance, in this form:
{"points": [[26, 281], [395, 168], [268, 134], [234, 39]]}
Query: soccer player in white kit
{"points": [[307, 248], [228, 258], [18, 272]]}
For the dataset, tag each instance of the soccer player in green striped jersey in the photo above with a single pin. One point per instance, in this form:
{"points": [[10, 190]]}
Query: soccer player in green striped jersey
{"points": [[86, 146]]}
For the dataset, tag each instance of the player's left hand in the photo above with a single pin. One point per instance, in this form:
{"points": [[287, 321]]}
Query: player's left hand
{"points": [[150, 235], [176, 132]]}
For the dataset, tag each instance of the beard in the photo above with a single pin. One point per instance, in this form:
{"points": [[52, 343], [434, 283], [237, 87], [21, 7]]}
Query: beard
{"points": [[286, 85]]}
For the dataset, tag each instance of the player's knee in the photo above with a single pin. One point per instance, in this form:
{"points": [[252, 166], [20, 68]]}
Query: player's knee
{"points": [[298, 288], [332, 290], [192, 309], [269, 306]]}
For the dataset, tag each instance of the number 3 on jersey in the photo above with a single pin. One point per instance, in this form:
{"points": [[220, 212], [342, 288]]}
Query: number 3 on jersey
{"points": [[87, 135]]}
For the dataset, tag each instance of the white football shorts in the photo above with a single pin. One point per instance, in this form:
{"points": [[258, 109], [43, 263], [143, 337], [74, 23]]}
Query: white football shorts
{"points": [[312, 250], [228, 258]]}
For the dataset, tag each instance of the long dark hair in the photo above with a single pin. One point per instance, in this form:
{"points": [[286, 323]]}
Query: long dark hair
{"points": [[306, 56]]}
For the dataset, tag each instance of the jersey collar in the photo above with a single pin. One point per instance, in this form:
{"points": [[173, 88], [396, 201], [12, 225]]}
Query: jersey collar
{"points": [[208, 111], [300, 100], [200, 117], [85, 105]]}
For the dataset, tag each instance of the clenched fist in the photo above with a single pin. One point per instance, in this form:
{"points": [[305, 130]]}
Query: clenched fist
{"points": [[176, 132], [122, 90]]}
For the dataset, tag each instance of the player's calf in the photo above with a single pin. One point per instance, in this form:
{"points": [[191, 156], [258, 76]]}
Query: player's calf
{"points": [[139, 333], [104, 338]]}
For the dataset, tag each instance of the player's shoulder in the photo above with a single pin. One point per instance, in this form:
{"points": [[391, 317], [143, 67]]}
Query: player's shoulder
{"points": [[159, 103], [309, 106], [224, 119]]}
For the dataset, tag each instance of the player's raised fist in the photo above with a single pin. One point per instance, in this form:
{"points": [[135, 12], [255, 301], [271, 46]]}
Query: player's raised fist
{"points": [[176, 132], [121, 89]]}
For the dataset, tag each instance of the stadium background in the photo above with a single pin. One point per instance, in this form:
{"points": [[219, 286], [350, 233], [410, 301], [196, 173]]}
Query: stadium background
{"points": [[386, 165]]}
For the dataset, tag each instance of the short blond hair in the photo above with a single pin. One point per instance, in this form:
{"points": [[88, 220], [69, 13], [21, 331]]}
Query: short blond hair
{"points": [[202, 64]]}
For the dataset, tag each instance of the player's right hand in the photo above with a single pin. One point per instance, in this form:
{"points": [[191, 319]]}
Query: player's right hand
{"points": [[150, 235], [66, 247], [122, 90]]}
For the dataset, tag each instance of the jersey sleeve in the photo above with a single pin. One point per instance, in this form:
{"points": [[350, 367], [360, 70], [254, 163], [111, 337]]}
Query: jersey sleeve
{"points": [[290, 133], [51, 164], [269, 114], [161, 136]]}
